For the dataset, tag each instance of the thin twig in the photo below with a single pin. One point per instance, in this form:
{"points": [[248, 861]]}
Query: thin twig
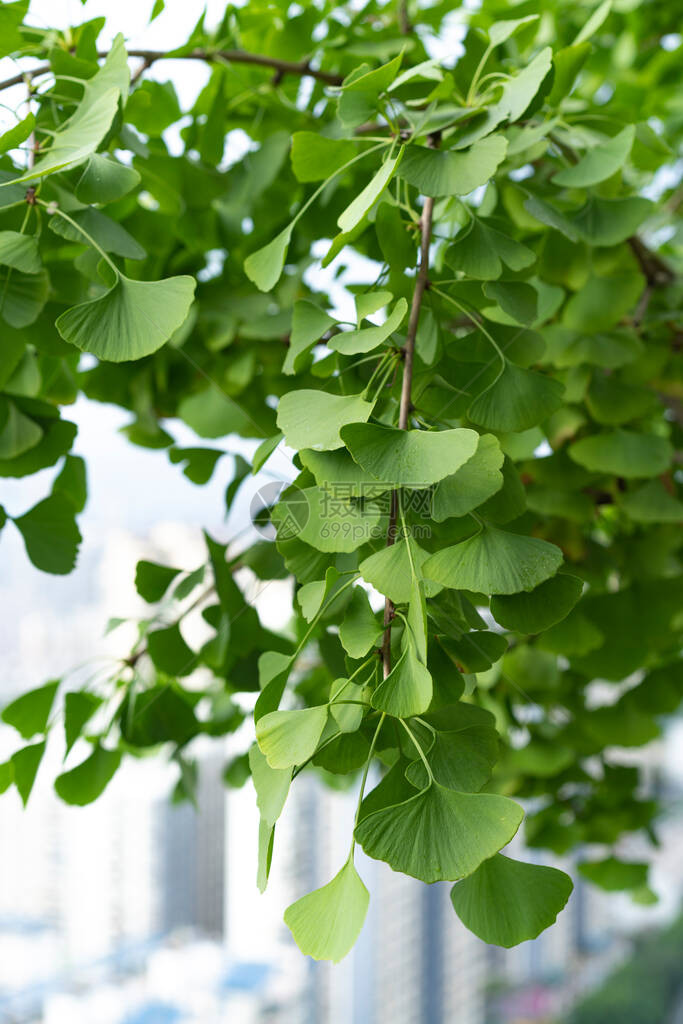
{"points": [[421, 285], [149, 57]]}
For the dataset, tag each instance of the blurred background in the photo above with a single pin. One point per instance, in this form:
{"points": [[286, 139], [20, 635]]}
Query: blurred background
{"points": [[140, 910]]}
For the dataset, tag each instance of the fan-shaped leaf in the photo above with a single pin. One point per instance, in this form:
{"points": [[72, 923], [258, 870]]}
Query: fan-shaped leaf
{"points": [[313, 419], [494, 562], [288, 738], [326, 923], [409, 458], [518, 400], [448, 173]]}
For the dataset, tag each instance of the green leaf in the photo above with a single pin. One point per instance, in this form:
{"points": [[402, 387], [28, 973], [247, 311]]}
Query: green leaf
{"points": [[389, 570], [72, 482], [566, 65], [265, 266], [358, 100], [29, 713], [82, 135], [623, 453], [603, 302], [464, 751], [131, 320], [266, 836], [26, 763], [652, 503], [518, 92], [593, 23], [438, 834], [326, 521], [501, 31], [367, 338], [271, 785], [309, 323], [409, 458], [24, 297], [313, 419], [614, 875], [494, 562], [447, 173], [337, 469], [79, 707], [356, 210], [153, 580], [516, 299], [507, 901], [50, 534], [90, 778], [359, 630], [104, 180], [315, 157], [152, 107], [169, 652], [598, 163], [611, 221], [14, 137], [517, 400], [540, 608], [407, 690], [474, 483], [157, 715], [19, 251], [326, 923], [18, 434], [288, 738], [481, 252]]}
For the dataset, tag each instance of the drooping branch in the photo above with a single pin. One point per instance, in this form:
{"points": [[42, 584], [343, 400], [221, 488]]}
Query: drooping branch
{"points": [[282, 67], [421, 284]]}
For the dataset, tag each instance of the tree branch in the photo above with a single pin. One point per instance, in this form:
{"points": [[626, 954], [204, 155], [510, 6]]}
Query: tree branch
{"points": [[421, 285], [149, 57]]}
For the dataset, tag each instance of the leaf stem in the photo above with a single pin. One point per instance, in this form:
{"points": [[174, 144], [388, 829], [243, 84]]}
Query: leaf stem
{"points": [[88, 237], [419, 750], [421, 284], [364, 779]]}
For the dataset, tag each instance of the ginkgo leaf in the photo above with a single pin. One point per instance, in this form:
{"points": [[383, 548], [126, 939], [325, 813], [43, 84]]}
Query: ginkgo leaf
{"points": [[88, 780], [29, 713], [447, 173], [539, 609], [517, 400], [81, 136], [494, 562], [79, 707], [337, 469], [325, 520], [438, 834], [367, 338], [464, 752], [271, 785], [613, 874], [505, 902], [266, 837], [519, 91], [409, 458], [313, 419], [611, 221], [389, 570], [18, 434], [265, 266], [19, 251], [517, 300], [104, 180], [623, 453], [288, 738], [356, 210], [501, 31], [309, 323], [131, 320], [316, 157], [326, 923], [359, 630], [407, 690], [471, 485], [652, 503], [26, 763], [482, 250], [598, 163], [50, 534]]}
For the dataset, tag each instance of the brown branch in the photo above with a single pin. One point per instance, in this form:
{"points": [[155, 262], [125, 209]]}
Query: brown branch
{"points": [[404, 22], [149, 57], [421, 285]]}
